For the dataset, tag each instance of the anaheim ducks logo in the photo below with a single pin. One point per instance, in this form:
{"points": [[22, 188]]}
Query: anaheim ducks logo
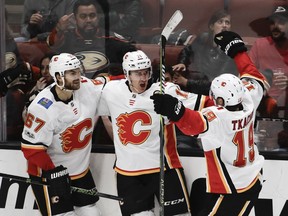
{"points": [[93, 61], [126, 124], [74, 137]]}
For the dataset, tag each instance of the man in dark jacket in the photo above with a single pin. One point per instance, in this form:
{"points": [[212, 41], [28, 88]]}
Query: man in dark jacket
{"points": [[107, 47]]}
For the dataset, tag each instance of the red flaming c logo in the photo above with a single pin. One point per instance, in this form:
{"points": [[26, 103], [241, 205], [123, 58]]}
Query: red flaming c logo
{"points": [[126, 123], [71, 139]]}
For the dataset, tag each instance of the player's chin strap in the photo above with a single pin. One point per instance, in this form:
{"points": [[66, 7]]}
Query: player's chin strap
{"points": [[92, 192], [62, 87]]}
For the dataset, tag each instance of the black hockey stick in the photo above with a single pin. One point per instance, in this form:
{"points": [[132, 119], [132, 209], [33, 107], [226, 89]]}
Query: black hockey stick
{"points": [[170, 26], [92, 192]]}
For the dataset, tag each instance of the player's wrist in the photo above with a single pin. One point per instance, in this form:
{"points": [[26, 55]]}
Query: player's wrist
{"points": [[179, 111]]}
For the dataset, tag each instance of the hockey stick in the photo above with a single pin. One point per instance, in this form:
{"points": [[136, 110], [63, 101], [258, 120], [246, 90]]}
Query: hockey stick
{"points": [[170, 26], [92, 192]]}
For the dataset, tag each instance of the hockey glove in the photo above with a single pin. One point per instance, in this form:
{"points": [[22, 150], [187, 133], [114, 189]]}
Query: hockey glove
{"points": [[59, 182], [21, 74], [169, 106], [230, 42]]}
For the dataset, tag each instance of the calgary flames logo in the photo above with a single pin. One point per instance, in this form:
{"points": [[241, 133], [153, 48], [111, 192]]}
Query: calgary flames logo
{"points": [[71, 137], [126, 124]]}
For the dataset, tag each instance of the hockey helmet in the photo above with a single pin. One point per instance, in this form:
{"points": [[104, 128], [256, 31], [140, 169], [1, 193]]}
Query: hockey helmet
{"points": [[136, 60], [228, 87], [61, 63]]}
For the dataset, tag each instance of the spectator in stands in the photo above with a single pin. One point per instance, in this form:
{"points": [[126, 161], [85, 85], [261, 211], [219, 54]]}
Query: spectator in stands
{"points": [[45, 80], [123, 17], [88, 35], [40, 17], [202, 57], [17, 77], [204, 61], [272, 53], [169, 73], [16, 72]]}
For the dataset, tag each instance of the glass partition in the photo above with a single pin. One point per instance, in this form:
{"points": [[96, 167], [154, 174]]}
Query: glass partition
{"points": [[32, 33]]}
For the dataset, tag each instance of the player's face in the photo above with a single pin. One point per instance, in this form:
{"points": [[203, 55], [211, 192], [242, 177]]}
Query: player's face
{"points": [[139, 80], [223, 24], [87, 19], [279, 29], [72, 79]]}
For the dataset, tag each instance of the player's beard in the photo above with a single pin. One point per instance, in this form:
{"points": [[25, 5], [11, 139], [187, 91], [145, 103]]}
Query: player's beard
{"points": [[74, 85]]}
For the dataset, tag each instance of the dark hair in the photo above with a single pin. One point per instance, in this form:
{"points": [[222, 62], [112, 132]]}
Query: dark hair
{"points": [[217, 15], [47, 55], [79, 3]]}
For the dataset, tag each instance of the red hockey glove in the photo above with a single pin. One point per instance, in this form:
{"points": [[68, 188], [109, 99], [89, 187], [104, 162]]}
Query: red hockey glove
{"points": [[169, 106], [230, 42]]}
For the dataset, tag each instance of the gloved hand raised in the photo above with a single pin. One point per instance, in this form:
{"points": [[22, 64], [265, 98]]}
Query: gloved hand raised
{"points": [[230, 42], [169, 106], [59, 182]]}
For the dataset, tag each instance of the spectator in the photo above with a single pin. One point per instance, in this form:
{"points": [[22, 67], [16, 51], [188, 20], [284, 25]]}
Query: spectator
{"points": [[17, 72], [17, 77], [56, 139], [136, 139], [124, 17], [45, 80], [169, 73], [88, 36], [203, 58], [272, 53], [40, 17], [226, 130]]}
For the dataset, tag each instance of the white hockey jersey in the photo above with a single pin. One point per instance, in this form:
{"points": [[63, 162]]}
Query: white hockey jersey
{"points": [[136, 126], [232, 158], [64, 130]]}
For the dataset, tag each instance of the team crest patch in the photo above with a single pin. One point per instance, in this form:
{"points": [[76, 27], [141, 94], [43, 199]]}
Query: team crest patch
{"points": [[210, 115], [45, 102]]}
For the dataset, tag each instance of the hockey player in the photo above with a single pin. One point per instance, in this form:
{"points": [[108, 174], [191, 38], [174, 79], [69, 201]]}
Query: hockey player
{"points": [[57, 139], [136, 139], [226, 130]]}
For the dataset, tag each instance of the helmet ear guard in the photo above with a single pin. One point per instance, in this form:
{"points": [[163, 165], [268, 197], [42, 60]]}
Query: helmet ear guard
{"points": [[136, 60], [228, 87], [61, 63]]}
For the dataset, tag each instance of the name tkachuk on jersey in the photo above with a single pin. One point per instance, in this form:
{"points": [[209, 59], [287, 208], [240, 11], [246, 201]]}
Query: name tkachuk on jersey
{"points": [[230, 134], [66, 128], [136, 126]]}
